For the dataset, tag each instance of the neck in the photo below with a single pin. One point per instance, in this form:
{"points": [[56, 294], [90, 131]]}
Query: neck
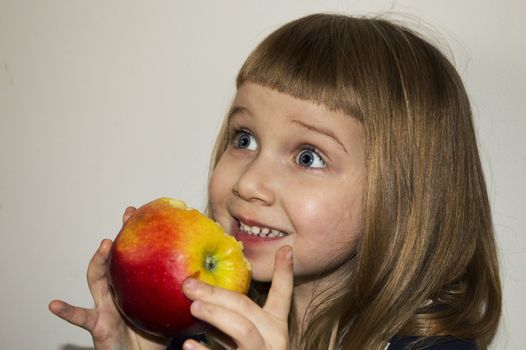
{"points": [[308, 295], [312, 293]]}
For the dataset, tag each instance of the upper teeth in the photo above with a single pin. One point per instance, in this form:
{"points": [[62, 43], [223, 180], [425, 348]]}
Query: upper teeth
{"points": [[260, 231]]}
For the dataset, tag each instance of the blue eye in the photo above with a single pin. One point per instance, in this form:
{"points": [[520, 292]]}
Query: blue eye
{"points": [[245, 140], [308, 158]]}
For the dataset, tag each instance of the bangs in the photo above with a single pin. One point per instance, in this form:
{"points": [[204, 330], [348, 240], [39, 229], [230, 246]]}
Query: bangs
{"points": [[308, 59]]}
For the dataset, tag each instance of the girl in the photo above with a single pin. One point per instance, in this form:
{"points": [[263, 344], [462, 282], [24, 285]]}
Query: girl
{"points": [[348, 167]]}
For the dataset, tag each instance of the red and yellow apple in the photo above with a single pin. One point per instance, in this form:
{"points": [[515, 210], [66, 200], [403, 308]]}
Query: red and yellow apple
{"points": [[163, 243]]}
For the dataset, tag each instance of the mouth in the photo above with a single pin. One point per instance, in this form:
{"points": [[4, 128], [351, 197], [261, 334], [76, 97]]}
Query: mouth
{"points": [[250, 229]]}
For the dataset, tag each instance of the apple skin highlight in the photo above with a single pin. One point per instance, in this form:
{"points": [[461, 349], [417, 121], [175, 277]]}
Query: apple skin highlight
{"points": [[161, 245]]}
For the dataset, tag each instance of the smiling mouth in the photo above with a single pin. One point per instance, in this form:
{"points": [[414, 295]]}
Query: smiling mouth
{"points": [[259, 231]]}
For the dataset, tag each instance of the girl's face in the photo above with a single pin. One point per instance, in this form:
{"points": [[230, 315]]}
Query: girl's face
{"points": [[293, 173]]}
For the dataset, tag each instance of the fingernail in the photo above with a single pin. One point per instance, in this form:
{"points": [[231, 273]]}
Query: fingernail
{"points": [[101, 247], [188, 346], [196, 306], [288, 255], [191, 284]]}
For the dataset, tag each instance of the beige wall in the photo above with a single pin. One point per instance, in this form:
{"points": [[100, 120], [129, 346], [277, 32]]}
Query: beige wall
{"points": [[105, 104]]}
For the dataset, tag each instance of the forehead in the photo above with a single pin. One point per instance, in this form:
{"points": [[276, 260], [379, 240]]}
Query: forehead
{"points": [[271, 106]]}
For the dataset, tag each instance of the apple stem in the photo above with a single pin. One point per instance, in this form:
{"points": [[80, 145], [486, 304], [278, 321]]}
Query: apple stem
{"points": [[210, 263]]}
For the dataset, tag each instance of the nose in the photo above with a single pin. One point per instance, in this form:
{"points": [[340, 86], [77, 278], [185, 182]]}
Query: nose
{"points": [[257, 181]]}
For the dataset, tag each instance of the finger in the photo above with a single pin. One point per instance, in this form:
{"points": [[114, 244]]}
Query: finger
{"points": [[194, 345], [195, 289], [127, 213], [242, 331], [280, 294], [78, 316], [97, 270]]}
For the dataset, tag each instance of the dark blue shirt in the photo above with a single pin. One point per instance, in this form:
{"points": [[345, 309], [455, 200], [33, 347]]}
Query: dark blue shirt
{"points": [[177, 343], [397, 343]]}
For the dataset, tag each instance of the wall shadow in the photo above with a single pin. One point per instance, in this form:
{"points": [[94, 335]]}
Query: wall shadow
{"points": [[75, 347]]}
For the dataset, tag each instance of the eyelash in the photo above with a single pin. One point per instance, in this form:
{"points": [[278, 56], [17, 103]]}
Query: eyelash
{"points": [[314, 150], [235, 132]]}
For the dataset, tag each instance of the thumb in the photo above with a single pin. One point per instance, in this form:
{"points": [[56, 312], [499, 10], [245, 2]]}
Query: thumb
{"points": [[128, 213], [97, 271]]}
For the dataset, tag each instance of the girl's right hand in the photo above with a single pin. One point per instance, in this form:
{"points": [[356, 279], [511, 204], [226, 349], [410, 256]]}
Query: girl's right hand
{"points": [[105, 323]]}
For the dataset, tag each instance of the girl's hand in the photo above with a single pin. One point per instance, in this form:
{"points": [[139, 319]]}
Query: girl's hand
{"points": [[235, 315], [108, 329]]}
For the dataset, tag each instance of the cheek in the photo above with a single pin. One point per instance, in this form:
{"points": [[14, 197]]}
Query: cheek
{"points": [[327, 234], [329, 218], [220, 186]]}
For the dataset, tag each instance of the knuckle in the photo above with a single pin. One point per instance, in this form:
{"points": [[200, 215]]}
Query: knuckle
{"points": [[280, 342], [245, 302], [210, 290], [205, 309], [247, 330]]}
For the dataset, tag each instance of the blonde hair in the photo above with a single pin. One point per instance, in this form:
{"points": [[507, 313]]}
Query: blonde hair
{"points": [[425, 209]]}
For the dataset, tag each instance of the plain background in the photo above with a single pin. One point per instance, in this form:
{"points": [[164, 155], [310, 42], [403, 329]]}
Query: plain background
{"points": [[105, 104]]}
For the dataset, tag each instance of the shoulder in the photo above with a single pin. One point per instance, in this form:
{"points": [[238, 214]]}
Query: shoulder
{"points": [[432, 343]]}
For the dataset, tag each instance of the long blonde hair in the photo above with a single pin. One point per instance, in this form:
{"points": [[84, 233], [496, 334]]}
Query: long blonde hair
{"points": [[426, 263]]}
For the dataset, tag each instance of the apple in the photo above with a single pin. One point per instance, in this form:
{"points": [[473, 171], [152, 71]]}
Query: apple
{"points": [[163, 243]]}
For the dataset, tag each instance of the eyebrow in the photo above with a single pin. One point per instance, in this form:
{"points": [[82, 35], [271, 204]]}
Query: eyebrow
{"points": [[318, 130], [238, 109], [321, 131]]}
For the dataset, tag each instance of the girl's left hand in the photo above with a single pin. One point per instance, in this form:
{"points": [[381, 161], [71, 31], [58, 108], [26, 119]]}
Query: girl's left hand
{"points": [[240, 318]]}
